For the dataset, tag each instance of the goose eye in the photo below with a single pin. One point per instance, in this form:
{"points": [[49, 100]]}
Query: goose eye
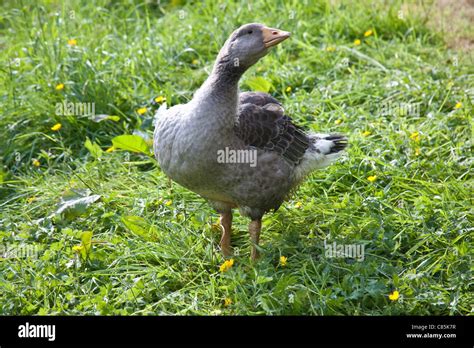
{"points": [[250, 32]]}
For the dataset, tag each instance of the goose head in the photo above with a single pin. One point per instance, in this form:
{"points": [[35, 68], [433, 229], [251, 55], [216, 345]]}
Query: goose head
{"points": [[249, 43]]}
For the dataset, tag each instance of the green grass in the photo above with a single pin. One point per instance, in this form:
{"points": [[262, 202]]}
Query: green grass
{"points": [[154, 244]]}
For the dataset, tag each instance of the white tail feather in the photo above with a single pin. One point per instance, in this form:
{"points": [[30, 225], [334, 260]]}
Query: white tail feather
{"points": [[319, 154]]}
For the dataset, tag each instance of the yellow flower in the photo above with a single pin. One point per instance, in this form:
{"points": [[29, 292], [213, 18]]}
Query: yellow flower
{"points": [[298, 205], [394, 295], [357, 42], [366, 133], [226, 265], [31, 199], [288, 89], [72, 42], [141, 111], [77, 248], [160, 99], [168, 202], [283, 260], [458, 105], [417, 151], [110, 149], [195, 62], [36, 163], [59, 87], [330, 48], [56, 127], [338, 122], [372, 178], [368, 33], [227, 302], [415, 136]]}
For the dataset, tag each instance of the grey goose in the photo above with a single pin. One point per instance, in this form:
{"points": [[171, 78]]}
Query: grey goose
{"points": [[239, 149]]}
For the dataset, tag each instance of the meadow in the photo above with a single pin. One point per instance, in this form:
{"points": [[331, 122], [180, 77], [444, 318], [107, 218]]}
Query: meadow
{"points": [[90, 225]]}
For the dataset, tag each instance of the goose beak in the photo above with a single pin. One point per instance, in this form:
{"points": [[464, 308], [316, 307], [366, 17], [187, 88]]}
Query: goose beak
{"points": [[272, 37]]}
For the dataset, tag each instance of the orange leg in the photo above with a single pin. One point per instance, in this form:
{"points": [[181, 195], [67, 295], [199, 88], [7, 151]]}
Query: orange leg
{"points": [[255, 227], [226, 223]]}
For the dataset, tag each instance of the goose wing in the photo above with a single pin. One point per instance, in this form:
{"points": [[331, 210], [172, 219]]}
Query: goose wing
{"points": [[262, 123]]}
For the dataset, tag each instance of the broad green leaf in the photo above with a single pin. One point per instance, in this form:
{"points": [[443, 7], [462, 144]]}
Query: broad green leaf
{"points": [[132, 143], [258, 83], [75, 202], [148, 139], [139, 226], [93, 148]]}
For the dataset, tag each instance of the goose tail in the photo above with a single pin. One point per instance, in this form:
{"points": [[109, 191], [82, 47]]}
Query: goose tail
{"points": [[323, 150]]}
